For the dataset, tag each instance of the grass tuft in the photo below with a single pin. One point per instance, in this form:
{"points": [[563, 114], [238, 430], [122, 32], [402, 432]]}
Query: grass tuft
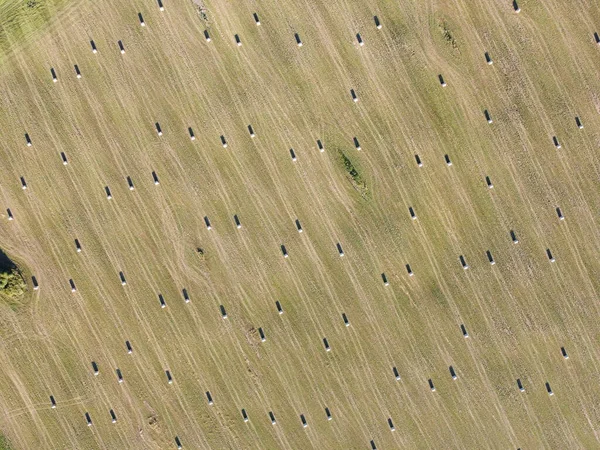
{"points": [[447, 34], [12, 284], [5, 443], [354, 175]]}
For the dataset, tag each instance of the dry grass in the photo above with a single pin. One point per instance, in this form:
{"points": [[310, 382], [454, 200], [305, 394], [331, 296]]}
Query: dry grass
{"points": [[519, 312]]}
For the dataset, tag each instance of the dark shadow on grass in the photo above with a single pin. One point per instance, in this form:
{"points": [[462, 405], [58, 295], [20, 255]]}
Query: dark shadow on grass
{"points": [[6, 264]]}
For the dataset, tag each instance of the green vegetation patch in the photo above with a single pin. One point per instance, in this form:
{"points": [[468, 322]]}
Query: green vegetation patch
{"points": [[358, 182], [20, 20], [5, 443], [12, 284]]}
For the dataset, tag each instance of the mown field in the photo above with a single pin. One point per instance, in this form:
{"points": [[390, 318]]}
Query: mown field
{"points": [[518, 312]]}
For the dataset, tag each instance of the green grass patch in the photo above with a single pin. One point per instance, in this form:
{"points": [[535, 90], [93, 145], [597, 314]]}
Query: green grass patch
{"points": [[5, 443], [20, 20], [358, 182], [12, 284]]}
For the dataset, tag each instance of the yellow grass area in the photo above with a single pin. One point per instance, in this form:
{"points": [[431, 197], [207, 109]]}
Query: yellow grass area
{"points": [[518, 312]]}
